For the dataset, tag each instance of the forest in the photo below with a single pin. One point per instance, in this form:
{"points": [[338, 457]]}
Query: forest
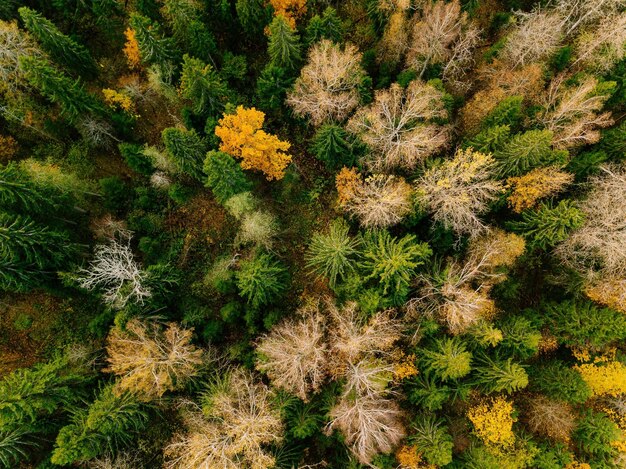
{"points": [[313, 234]]}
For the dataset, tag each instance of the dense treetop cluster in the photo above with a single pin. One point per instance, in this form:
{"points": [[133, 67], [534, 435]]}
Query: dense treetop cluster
{"points": [[254, 234]]}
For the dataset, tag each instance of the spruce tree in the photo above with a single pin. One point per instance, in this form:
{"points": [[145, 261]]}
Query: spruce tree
{"points": [[61, 48], [490, 139], [284, 44], [431, 436], [500, 376], [17, 192], [69, 94], [327, 26], [224, 176], [153, 46], [332, 146], [449, 359], [272, 86], [560, 382], [201, 84], [186, 149], [261, 280], [253, 16]]}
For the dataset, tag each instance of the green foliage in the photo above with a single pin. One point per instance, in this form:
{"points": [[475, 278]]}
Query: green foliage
{"points": [[549, 225], [303, 419], [520, 336], [581, 323], [562, 58], [327, 26], [135, 158], [261, 280], [186, 149], [392, 262], [18, 192], [224, 176], [449, 359], [70, 95], [15, 445], [61, 48], [431, 436], [109, 423], [272, 86], [490, 140], [507, 112], [594, 435], [613, 142], [332, 146], [253, 16], [153, 46], [586, 163], [333, 254], [527, 151], [284, 44], [500, 376], [202, 86], [560, 382], [426, 392]]}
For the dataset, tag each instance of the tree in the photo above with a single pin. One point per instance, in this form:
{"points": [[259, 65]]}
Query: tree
{"points": [[115, 272], [153, 46], [582, 324], [332, 146], [499, 376], [237, 423], [550, 224], [14, 43], [261, 279], [448, 360], [284, 44], [272, 86], [328, 86], [457, 191], [131, 49], [224, 176], [399, 126], [560, 383], [526, 151], [333, 254], [59, 89], [258, 227], [108, 423], [328, 26], [202, 86], [61, 48], [537, 36], [395, 40], [293, 354], [19, 193], [601, 47], [596, 248], [186, 149], [431, 437], [535, 185], [595, 434], [392, 262], [242, 137], [253, 16], [150, 361], [493, 422], [551, 419], [291, 10], [572, 113], [378, 201]]}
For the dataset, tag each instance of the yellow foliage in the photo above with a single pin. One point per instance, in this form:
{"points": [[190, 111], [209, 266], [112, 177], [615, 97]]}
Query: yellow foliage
{"points": [[578, 465], [410, 458], [347, 182], [609, 292], [608, 379], [8, 147], [493, 422], [117, 100], [536, 184], [291, 10], [131, 49], [405, 367], [243, 138]]}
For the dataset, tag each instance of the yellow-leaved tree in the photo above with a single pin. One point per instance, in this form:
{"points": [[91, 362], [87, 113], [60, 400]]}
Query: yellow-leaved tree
{"points": [[242, 137]]}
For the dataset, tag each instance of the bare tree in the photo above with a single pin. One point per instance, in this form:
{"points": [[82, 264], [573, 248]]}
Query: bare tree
{"points": [[455, 72], [578, 13], [572, 112], [398, 126], [552, 419], [598, 248], [537, 36], [602, 46], [327, 88], [115, 273], [381, 200], [459, 190], [238, 422], [293, 354], [149, 361]]}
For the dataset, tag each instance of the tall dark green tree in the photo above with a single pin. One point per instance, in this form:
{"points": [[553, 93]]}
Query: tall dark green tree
{"points": [[186, 149], [61, 48], [201, 84], [224, 176], [272, 86], [284, 44], [332, 146], [69, 94], [154, 47], [327, 26], [253, 16]]}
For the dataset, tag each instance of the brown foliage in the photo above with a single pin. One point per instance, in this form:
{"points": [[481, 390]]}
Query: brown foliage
{"points": [[8, 148], [551, 419], [327, 88], [538, 183], [150, 361], [398, 126]]}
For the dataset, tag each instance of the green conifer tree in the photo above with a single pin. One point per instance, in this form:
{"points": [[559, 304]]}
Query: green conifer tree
{"points": [[284, 44], [253, 16], [448, 360], [154, 47], [201, 84], [224, 176], [186, 149], [500, 376], [272, 86], [61, 48], [332, 146], [327, 26], [261, 280], [431, 436]]}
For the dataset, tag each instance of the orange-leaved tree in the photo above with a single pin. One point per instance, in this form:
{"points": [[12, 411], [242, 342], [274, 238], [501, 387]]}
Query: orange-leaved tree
{"points": [[242, 137]]}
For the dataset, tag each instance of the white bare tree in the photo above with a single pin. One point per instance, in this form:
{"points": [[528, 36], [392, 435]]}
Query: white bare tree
{"points": [[579, 13], [601, 46], [115, 273]]}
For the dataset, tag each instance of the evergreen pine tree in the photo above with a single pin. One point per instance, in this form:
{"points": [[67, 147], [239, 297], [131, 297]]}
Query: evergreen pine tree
{"points": [[500, 376], [60, 47], [560, 382], [74, 101], [201, 84], [17, 192], [327, 26], [253, 16], [224, 176], [261, 280], [449, 359], [272, 86], [186, 149], [595, 435], [284, 44], [153, 46], [490, 140], [331, 145], [431, 436], [549, 225]]}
